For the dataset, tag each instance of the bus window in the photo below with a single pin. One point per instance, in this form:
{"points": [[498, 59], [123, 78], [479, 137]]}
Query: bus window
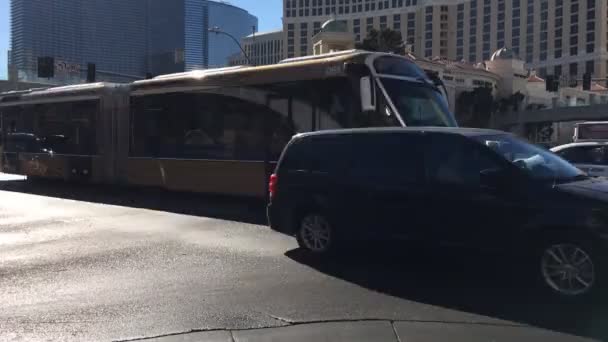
{"points": [[66, 127], [334, 103], [417, 104], [197, 126]]}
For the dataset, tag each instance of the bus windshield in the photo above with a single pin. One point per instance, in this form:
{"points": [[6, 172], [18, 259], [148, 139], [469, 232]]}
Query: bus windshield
{"points": [[418, 104]]}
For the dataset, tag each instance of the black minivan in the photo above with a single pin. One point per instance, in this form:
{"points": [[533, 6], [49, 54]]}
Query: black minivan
{"points": [[478, 188]]}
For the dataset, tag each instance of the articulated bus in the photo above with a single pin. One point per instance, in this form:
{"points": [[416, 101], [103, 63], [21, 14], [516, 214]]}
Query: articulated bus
{"points": [[214, 131]]}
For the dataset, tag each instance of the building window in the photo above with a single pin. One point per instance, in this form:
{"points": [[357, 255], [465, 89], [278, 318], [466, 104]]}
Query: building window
{"points": [[590, 67], [574, 19], [557, 70], [459, 54], [573, 69], [574, 29], [573, 51]]}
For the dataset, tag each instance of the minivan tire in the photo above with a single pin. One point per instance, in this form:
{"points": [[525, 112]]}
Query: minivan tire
{"points": [[315, 233], [570, 267]]}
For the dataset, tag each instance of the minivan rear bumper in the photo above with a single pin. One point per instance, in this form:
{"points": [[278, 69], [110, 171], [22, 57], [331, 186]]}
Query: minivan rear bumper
{"points": [[278, 219]]}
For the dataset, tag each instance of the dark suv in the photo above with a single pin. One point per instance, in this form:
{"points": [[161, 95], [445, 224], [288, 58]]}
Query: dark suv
{"points": [[480, 188]]}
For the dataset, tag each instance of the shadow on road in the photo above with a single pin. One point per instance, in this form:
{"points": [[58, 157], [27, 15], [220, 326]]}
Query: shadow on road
{"points": [[466, 281], [244, 210]]}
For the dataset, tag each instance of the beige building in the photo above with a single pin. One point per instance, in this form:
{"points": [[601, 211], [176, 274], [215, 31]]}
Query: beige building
{"points": [[263, 48], [555, 37]]}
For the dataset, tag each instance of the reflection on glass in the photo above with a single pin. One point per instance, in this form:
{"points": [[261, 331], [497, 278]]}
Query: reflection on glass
{"points": [[418, 104], [535, 161]]}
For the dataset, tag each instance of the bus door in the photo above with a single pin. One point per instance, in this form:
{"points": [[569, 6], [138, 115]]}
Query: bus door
{"points": [[12, 141]]}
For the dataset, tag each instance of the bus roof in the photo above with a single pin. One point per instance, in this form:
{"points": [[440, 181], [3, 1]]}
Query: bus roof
{"points": [[305, 68], [70, 90], [301, 68]]}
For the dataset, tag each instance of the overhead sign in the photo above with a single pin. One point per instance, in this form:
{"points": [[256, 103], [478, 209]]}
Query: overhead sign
{"points": [[66, 67]]}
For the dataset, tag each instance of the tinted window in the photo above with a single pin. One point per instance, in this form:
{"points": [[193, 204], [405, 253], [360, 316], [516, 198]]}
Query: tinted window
{"points": [[455, 160], [398, 67], [417, 104], [198, 126], [387, 160], [243, 123], [584, 155], [61, 128], [322, 154]]}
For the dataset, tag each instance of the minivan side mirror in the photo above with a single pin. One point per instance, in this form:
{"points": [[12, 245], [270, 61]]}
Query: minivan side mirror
{"points": [[368, 99], [493, 178]]}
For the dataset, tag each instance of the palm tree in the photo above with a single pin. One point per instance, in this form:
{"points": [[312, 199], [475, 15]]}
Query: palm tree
{"points": [[385, 40]]}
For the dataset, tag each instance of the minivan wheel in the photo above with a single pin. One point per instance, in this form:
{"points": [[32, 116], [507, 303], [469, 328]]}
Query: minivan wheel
{"points": [[569, 268], [315, 233]]}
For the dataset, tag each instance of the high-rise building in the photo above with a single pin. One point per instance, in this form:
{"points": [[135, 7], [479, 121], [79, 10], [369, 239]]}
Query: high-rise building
{"points": [[109, 33], [180, 40], [263, 48], [124, 39], [555, 37]]}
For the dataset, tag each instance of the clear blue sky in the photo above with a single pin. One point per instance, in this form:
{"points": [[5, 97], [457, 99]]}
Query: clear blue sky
{"points": [[268, 12], [4, 35]]}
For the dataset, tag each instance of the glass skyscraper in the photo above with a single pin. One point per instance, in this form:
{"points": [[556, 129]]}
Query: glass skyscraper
{"points": [[180, 41], [125, 39], [109, 33]]}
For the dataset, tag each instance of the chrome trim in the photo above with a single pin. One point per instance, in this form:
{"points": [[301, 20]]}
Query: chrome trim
{"points": [[405, 78], [25, 101], [168, 90], [56, 155], [201, 160]]}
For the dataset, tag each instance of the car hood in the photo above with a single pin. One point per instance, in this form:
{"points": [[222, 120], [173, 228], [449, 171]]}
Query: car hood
{"points": [[593, 188]]}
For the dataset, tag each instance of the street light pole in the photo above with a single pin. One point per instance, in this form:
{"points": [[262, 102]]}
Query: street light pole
{"points": [[217, 30]]}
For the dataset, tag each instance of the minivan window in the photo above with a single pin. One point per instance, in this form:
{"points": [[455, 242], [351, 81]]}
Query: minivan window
{"points": [[454, 160], [387, 160], [538, 163], [315, 154]]}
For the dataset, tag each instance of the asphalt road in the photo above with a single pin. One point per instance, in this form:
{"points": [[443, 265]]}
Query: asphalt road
{"points": [[97, 263]]}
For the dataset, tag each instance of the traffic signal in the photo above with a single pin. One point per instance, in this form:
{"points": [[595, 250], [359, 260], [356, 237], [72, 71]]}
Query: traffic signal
{"points": [[91, 72], [46, 67], [587, 81]]}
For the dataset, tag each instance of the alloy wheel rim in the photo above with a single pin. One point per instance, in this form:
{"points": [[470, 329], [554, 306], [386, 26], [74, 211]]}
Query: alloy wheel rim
{"points": [[568, 269], [316, 233]]}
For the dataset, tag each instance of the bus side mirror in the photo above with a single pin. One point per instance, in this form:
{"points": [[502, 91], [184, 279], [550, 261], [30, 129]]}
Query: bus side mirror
{"points": [[368, 100]]}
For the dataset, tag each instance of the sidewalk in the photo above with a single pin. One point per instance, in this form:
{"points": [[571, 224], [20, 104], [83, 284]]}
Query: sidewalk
{"points": [[380, 331], [5, 177]]}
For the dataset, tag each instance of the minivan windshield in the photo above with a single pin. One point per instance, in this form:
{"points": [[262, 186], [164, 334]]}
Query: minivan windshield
{"points": [[539, 163], [418, 104]]}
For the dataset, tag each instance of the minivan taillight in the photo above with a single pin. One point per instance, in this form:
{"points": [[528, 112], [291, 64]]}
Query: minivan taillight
{"points": [[272, 184]]}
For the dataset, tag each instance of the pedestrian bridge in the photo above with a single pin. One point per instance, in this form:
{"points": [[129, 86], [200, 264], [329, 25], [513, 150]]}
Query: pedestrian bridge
{"points": [[596, 112]]}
